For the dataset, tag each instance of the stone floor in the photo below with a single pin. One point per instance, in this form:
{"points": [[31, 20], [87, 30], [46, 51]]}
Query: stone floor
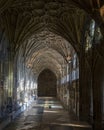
{"points": [[47, 114]]}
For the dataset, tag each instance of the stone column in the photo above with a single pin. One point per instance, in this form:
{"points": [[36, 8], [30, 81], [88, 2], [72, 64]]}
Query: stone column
{"points": [[84, 94], [98, 87]]}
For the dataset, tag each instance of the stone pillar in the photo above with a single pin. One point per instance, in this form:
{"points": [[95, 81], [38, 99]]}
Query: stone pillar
{"points": [[84, 94], [98, 85]]}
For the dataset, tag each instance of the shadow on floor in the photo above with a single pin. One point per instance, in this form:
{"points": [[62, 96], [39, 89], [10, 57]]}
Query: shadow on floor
{"points": [[56, 127]]}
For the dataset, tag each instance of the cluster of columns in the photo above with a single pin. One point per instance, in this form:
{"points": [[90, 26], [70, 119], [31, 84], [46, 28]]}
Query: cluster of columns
{"points": [[91, 79]]}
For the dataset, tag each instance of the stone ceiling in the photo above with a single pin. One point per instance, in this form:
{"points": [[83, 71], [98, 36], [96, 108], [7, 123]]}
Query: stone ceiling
{"points": [[40, 28], [51, 51]]}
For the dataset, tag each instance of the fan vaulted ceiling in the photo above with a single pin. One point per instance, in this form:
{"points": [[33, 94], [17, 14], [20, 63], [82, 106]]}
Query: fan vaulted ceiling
{"points": [[40, 28], [46, 50]]}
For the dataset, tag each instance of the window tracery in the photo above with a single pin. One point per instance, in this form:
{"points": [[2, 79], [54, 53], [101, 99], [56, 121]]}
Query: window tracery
{"points": [[92, 35]]}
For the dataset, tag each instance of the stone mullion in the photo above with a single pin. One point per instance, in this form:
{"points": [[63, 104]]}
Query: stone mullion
{"points": [[15, 85]]}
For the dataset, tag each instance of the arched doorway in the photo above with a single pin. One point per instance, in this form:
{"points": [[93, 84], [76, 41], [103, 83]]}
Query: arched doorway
{"points": [[47, 83]]}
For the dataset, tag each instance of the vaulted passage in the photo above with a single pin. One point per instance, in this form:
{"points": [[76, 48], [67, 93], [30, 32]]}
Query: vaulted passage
{"points": [[47, 84], [52, 48]]}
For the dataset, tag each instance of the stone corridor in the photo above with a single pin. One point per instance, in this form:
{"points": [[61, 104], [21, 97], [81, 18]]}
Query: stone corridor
{"points": [[47, 114]]}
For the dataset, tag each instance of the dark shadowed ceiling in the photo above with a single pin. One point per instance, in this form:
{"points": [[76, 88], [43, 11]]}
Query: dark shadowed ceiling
{"points": [[40, 28]]}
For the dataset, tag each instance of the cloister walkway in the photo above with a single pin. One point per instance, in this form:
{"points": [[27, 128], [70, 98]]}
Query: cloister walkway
{"points": [[47, 113]]}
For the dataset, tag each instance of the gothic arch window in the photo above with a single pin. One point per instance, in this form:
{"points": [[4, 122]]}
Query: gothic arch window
{"points": [[98, 35], [92, 35]]}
